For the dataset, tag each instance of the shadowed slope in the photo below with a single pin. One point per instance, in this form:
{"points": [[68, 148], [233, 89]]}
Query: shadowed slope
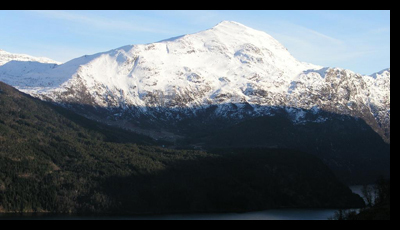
{"points": [[52, 160]]}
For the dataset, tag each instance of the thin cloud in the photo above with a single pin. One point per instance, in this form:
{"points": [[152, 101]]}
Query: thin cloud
{"points": [[305, 43], [315, 47], [100, 22], [381, 30], [316, 34]]}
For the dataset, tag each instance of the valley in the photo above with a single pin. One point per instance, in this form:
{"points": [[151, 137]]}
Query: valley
{"points": [[222, 120]]}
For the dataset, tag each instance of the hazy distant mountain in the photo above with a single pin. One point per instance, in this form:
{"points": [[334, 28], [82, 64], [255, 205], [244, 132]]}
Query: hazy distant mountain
{"points": [[6, 57]]}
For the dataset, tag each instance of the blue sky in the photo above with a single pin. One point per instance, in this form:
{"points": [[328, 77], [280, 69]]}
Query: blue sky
{"points": [[355, 40]]}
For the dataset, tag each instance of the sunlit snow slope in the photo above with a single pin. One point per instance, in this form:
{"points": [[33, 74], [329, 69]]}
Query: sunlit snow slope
{"points": [[227, 64]]}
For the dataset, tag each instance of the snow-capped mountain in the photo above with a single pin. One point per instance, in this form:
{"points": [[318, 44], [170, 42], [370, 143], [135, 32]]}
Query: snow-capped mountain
{"points": [[241, 71], [6, 57], [15, 69]]}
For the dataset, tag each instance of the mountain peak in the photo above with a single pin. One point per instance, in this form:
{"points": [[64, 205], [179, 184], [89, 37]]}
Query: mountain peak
{"points": [[226, 23], [233, 27], [227, 64], [385, 73]]}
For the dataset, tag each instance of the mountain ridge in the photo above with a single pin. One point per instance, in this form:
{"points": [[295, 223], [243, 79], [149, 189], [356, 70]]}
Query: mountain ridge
{"points": [[55, 161], [6, 57], [227, 64]]}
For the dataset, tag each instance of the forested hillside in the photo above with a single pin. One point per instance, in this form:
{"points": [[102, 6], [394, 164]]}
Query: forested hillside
{"points": [[355, 153], [52, 160]]}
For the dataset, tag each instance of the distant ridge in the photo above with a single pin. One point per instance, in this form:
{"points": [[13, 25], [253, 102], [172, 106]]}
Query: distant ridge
{"points": [[6, 57]]}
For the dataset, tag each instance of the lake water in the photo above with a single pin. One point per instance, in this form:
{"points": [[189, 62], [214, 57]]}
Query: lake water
{"points": [[275, 214], [284, 214]]}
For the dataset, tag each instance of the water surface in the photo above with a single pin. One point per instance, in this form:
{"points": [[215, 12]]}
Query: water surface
{"points": [[273, 214]]}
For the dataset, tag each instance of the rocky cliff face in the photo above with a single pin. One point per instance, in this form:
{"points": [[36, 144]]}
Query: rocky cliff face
{"points": [[238, 71], [345, 92]]}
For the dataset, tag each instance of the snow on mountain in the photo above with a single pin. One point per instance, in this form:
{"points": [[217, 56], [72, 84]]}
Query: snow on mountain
{"points": [[7, 57], [227, 64], [229, 58], [379, 98], [16, 69]]}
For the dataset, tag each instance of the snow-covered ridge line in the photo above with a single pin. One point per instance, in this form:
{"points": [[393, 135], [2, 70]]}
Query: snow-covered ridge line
{"points": [[6, 57], [227, 64]]}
